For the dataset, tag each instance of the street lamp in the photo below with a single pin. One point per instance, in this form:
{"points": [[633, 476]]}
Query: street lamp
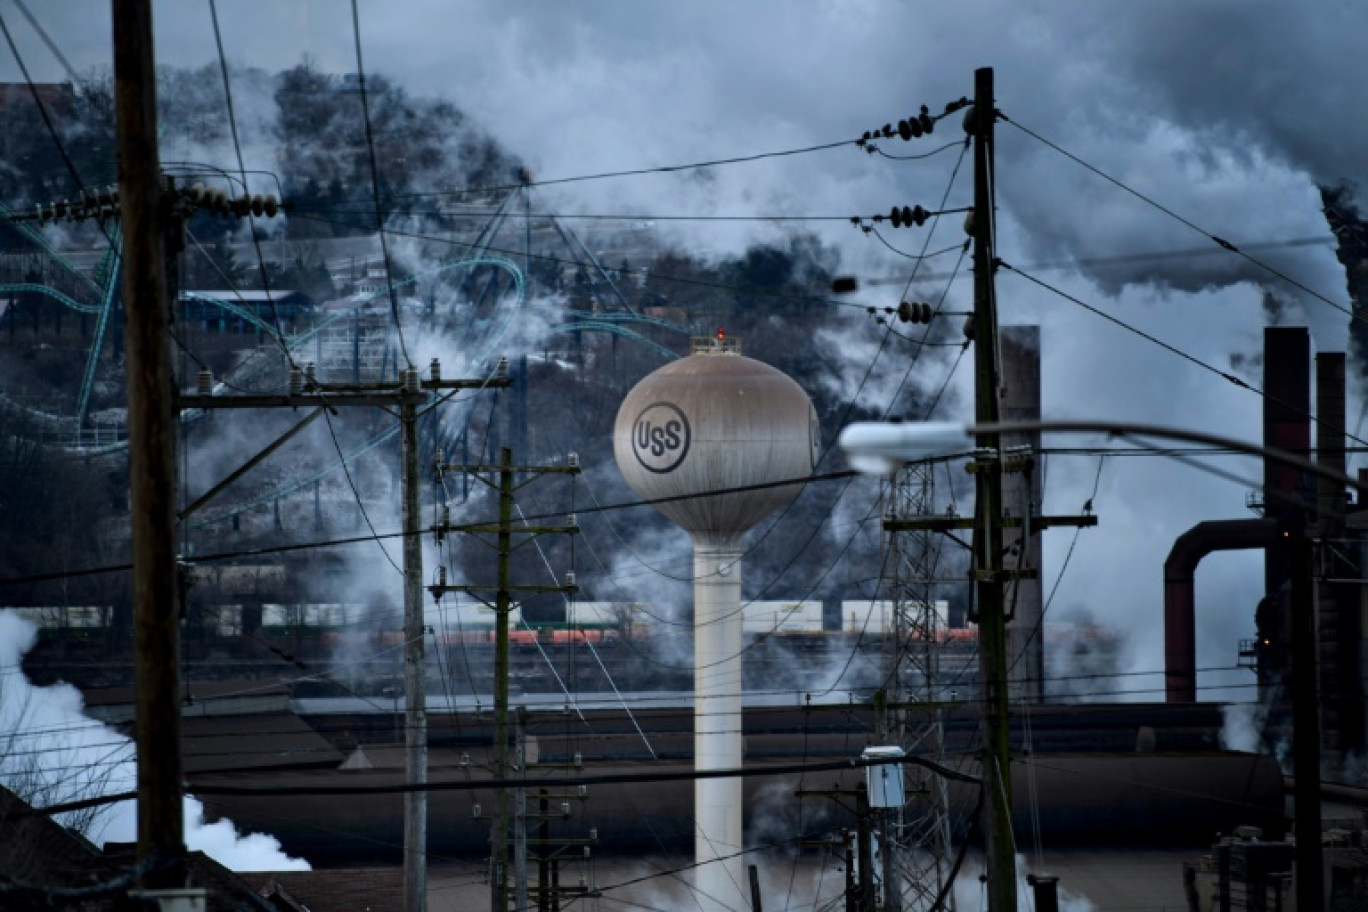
{"points": [[881, 448]]}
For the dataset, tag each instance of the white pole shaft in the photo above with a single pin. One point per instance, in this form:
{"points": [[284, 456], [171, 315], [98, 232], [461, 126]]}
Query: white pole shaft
{"points": [[717, 726]]}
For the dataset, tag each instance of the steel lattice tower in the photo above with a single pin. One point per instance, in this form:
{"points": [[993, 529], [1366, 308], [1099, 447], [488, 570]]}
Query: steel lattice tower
{"points": [[921, 831]]}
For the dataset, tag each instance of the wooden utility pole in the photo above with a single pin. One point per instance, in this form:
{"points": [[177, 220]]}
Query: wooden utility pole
{"points": [[520, 815], [988, 570], [152, 421], [415, 671], [1306, 748], [407, 395], [507, 485]]}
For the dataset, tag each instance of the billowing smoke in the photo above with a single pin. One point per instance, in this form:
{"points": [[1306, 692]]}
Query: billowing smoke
{"points": [[53, 753]]}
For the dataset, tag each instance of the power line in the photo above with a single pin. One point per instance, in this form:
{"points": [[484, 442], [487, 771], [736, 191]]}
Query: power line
{"points": [[786, 294], [1224, 375], [375, 182], [1218, 241], [242, 168], [378, 536], [47, 40], [633, 172]]}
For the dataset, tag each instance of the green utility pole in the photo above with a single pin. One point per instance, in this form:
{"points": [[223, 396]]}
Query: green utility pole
{"points": [[988, 570], [507, 485]]}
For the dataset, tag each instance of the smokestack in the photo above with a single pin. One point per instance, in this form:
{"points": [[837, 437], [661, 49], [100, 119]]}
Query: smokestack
{"points": [[1287, 405], [1338, 622]]}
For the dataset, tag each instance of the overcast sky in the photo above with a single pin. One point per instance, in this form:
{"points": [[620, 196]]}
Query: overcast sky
{"points": [[1228, 112]]}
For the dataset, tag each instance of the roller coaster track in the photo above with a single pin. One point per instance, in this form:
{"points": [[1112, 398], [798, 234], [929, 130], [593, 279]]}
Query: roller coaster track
{"points": [[59, 297], [613, 329], [493, 330], [608, 317], [36, 236], [499, 329], [111, 291], [234, 309]]}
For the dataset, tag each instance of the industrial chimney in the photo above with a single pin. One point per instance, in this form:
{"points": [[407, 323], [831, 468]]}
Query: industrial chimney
{"points": [[717, 422]]}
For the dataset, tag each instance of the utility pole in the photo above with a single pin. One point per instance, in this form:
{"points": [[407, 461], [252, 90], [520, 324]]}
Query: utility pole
{"points": [[987, 567], [505, 481], [1306, 748], [145, 211], [520, 815], [407, 395], [415, 669]]}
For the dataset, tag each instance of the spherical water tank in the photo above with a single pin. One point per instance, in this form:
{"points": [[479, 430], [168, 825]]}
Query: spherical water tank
{"points": [[713, 422]]}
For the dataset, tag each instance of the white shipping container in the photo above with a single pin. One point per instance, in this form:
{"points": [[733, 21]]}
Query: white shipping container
{"points": [[876, 616], [781, 617], [629, 615]]}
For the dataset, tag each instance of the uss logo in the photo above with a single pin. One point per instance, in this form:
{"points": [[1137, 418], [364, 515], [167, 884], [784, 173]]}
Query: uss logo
{"points": [[660, 437]]}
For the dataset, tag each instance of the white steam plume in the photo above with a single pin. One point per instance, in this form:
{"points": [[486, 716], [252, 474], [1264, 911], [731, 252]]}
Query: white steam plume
{"points": [[54, 753]]}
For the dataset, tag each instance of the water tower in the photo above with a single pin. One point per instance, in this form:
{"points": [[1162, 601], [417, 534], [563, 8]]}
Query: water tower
{"points": [[717, 422]]}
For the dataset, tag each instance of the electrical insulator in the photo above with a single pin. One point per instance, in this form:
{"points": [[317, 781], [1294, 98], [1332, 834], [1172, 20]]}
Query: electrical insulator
{"points": [[446, 515], [593, 834], [574, 460], [926, 312], [270, 206], [205, 382], [584, 792], [257, 205], [565, 808], [969, 328], [926, 121], [409, 380], [309, 374], [435, 369], [501, 369], [895, 216], [584, 882], [586, 851], [296, 381], [196, 194], [570, 579], [441, 577], [475, 811], [572, 521], [905, 312], [904, 130], [62, 209], [969, 223], [578, 760], [887, 130], [220, 202], [919, 215], [465, 761]]}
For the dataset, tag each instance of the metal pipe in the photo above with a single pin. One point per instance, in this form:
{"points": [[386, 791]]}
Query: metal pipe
{"points": [[1180, 637]]}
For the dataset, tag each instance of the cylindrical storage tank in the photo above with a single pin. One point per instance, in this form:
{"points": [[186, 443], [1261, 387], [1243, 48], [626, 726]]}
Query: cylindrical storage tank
{"points": [[717, 433]]}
